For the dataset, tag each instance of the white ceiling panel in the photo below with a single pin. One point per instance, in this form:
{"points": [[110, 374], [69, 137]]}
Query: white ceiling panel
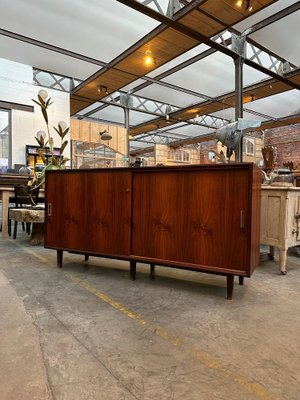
{"points": [[282, 38], [104, 29], [211, 76], [277, 106], [169, 96], [40, 58], [100, 29]]}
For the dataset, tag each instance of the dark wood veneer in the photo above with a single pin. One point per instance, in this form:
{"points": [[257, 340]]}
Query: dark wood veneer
{"points": [[202, 217]]}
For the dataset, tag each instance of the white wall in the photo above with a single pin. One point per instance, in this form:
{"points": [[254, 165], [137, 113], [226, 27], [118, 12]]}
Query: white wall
{"points": [[16, 85]]}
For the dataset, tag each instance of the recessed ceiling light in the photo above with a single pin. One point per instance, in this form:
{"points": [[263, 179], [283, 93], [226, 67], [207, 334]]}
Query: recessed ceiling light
{"points": [[149, 59]]}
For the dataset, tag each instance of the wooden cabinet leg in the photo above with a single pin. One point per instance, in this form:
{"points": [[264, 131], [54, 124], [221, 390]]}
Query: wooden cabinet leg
{"points": [[152, 271], [59, 258], [241, 280], [230, 280], [132, 269], [282, 261], [271, 252], [86, 257]]}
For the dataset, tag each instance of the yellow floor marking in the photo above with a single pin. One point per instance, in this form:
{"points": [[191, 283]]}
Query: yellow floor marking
{"points": [[203, 358]]}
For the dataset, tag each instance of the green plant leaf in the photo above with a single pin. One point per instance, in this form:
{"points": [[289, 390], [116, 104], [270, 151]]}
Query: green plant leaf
{"points": [[59, 131], [45, 115], [64, 160], [39, 104], [42, 102], [65, 132], [63, 146], [55, 160], [39, 141]]}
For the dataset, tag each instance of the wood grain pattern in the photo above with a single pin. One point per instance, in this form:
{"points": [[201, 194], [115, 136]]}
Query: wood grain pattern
{"points": [[89, 214], [191, 217], [200, 217]]}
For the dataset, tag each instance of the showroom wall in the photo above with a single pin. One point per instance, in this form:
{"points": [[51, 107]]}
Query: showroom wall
{"points": [[17, 86]]}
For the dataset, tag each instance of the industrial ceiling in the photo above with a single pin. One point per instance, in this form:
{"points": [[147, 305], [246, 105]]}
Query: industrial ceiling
{"points": [[188, 87]]}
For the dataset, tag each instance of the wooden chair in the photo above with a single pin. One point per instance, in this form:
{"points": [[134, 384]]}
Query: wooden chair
{"points": [[25, 197]]}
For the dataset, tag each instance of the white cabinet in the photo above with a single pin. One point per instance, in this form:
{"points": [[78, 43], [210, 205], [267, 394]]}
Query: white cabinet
{"points": [[280, 220]]}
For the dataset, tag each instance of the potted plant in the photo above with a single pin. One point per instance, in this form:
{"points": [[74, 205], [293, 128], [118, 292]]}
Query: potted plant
{"points": [[46, 142]]}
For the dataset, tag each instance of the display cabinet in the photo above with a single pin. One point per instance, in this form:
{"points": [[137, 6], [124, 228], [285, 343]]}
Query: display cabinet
{"points": [[33, 158], [280, 220], [200, 217]]}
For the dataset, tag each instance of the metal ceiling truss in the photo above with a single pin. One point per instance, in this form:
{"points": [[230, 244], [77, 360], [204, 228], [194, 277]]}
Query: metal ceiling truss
{"points": [[171, 137], [210, 121], [142, 104], [257, 54], [122, 99], [54, 81], [173, 6], [202, 38], [156, 139]]}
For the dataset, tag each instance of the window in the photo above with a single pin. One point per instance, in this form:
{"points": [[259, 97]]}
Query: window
{"points": [[249, 146], [95, 155], [179, 155], [5, 159]]}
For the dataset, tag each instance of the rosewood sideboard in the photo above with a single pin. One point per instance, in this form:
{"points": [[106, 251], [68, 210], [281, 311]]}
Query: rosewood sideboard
{"points": [[201, 217]]}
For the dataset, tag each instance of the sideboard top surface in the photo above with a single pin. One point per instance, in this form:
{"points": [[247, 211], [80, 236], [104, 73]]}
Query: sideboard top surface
{"points": [[193, 167]]}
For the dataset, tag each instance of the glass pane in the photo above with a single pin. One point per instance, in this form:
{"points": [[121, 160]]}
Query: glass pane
{"points": [[4, 140]]}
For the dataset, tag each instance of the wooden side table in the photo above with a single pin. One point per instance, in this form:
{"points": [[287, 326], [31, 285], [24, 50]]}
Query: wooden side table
{"points": [[280, 220]]}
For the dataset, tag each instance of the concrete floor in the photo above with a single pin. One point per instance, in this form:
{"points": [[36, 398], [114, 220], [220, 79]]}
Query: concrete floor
{"points": [[87, 332]]}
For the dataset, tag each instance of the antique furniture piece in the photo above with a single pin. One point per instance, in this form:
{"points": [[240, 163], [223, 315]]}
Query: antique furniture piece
{"points": [[32, 157], [34, 215], [25, 198], [201, 217], [280, 220], [7, 183]]}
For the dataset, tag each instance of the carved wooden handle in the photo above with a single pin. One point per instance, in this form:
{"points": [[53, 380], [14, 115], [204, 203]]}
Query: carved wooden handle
{"points": [[49, 206], [242, 219]]}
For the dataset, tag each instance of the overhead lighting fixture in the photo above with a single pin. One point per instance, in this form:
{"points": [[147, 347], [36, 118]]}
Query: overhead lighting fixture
{"points": [[246, 4], [105, 135], [103, 89], [149, 59], [168, 111]]}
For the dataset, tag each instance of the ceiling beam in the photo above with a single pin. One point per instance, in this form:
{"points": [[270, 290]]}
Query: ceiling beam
{"points": [[202, 38], [272, 18]]}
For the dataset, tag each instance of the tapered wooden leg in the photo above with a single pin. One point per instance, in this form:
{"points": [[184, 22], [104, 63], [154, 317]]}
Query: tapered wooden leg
{"points": [[86, 257], [132, 269], [59, 258], [241, 280], [15, 229], [230, 279], [282, 261], [152, 271]]}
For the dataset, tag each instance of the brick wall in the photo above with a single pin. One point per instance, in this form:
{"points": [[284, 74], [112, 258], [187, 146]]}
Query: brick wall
{"points": [[205, 148], [287, 141]]}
